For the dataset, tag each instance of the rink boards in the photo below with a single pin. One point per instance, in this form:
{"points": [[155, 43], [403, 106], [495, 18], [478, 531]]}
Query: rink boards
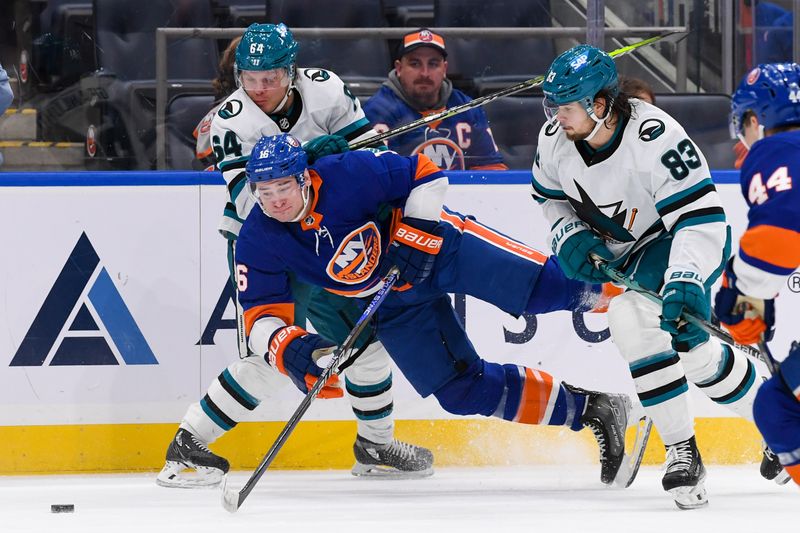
{"points": [[115, 317]]}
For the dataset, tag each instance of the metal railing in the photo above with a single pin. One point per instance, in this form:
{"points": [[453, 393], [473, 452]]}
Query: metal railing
{"points": [[164, 34]]}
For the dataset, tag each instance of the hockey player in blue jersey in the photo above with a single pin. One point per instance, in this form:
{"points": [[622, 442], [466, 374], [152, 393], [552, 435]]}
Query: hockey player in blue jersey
{"points": [[418, 86], [323, 223], [765, 115], [275, 96], [619, 179]]}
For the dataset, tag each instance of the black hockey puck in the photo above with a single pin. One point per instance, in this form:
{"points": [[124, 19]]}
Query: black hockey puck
{"points": [[62, 508]]}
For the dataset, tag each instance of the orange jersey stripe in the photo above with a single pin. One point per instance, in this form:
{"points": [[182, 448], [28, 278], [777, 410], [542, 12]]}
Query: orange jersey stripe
{"points": [[456, 222], [283, 311], [535, 397], [425, 167], [774, 245], [501, 241]]}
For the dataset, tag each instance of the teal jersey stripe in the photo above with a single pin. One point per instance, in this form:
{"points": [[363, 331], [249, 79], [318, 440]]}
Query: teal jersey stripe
{"points": [[344, 132], [682, 194], [550, 194], [696, 221], [223, 165]]}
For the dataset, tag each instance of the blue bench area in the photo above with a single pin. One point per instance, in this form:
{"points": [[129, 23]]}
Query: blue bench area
{"points": [[190, 178]]}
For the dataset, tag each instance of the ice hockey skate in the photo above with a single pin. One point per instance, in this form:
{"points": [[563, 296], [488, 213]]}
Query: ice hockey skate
{"points": [[186, 451], [608, 416], [394, 460], [771, 468], [685, 475]]}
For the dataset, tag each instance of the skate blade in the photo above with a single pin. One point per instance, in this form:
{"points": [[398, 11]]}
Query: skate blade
{"points": [[687, 498], [386, 472], [782, 478], [633, 457], [177, 475]]}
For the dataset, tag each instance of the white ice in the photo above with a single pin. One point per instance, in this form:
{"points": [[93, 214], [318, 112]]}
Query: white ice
{"points": [[493, 500]]}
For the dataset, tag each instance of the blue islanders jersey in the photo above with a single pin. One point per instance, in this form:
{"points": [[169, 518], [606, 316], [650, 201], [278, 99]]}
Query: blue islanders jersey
{"points": [[769, 250], [339, 244], [455, 143]]}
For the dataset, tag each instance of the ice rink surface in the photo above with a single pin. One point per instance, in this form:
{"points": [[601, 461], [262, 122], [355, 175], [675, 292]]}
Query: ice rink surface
{"points": [[493, 500]]}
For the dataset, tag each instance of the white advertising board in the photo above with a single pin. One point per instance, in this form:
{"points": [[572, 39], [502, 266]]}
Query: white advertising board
{"points": [[113, 310]]}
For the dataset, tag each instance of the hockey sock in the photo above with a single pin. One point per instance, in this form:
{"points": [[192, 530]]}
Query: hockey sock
{"points": [[368, 382], [534, 397], [724, 375]]}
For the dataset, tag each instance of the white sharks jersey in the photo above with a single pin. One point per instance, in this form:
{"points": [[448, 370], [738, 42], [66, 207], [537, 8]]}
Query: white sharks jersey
{"points": [[649, 180], [322, 105]]}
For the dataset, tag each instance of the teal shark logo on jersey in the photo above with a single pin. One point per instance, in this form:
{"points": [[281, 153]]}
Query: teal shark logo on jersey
{"points": [[230, 109], [651, 129], [609, 227]]}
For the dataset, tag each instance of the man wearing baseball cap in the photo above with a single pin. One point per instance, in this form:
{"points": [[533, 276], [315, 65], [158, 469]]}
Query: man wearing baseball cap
{"points": [[418, 86]]}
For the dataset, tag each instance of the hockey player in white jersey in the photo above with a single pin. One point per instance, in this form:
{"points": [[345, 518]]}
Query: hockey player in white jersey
{"points": [[273, 97], [620, 180]]}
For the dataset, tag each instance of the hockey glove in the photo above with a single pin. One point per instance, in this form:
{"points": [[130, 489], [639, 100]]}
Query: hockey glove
{"points": [[414, 247], [294, 352], [747, 318], [325, 145], [574, 257], [684, 292]]}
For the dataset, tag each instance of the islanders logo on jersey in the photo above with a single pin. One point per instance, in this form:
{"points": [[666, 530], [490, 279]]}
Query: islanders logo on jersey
{"points": [[357, 256], [445, 154]]}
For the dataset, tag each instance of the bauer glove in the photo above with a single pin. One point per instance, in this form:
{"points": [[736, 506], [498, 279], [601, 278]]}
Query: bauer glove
{"points": [[575, 257], [295, 352], [414, 247], [684, 292], [747, 318]]}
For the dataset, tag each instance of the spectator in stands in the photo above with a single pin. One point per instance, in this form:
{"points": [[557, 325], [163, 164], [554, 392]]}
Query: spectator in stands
{"points": [[637, 88], [6, 96], [418, 86], [772, 30], [224, 84]]}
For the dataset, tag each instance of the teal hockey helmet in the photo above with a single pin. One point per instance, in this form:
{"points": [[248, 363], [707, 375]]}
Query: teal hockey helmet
{"points": [[578, 75], [267, 47]]}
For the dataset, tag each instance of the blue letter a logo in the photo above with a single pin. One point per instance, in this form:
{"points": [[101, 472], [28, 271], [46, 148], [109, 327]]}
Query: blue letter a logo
{"points": [[84, 342]]}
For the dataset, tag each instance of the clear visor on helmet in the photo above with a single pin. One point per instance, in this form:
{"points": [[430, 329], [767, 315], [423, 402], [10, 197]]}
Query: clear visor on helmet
{"points": [[275, 190], [264, 80], [567, 111]]}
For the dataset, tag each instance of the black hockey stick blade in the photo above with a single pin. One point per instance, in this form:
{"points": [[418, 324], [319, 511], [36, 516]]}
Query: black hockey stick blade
{"points": [[513, 89], [232, 499]]}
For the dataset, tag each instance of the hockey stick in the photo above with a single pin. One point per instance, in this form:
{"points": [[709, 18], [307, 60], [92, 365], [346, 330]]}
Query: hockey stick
{"points": [[233, 499], [705, 325], [527, 84]]}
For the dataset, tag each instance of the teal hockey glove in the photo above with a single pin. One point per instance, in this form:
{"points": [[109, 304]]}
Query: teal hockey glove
{"points": [[574, 257], [684, 292], [325, 145]]}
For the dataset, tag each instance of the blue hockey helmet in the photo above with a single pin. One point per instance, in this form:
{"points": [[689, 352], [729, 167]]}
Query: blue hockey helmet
{"points": [[772, 92], [577, 75], [267, 47], [276, 157]]}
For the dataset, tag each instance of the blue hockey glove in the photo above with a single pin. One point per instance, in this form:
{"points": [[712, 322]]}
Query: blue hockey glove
{"points": [[684, 292], [325, 145], [748, 319], [574, 257], [414, 247], [294, 352]]}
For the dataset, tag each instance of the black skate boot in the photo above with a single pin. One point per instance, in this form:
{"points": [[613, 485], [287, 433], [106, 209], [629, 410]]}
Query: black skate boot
{"points": [[606, 416], [685, 475], [187, 451], [771, 468], [397, 459]]}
